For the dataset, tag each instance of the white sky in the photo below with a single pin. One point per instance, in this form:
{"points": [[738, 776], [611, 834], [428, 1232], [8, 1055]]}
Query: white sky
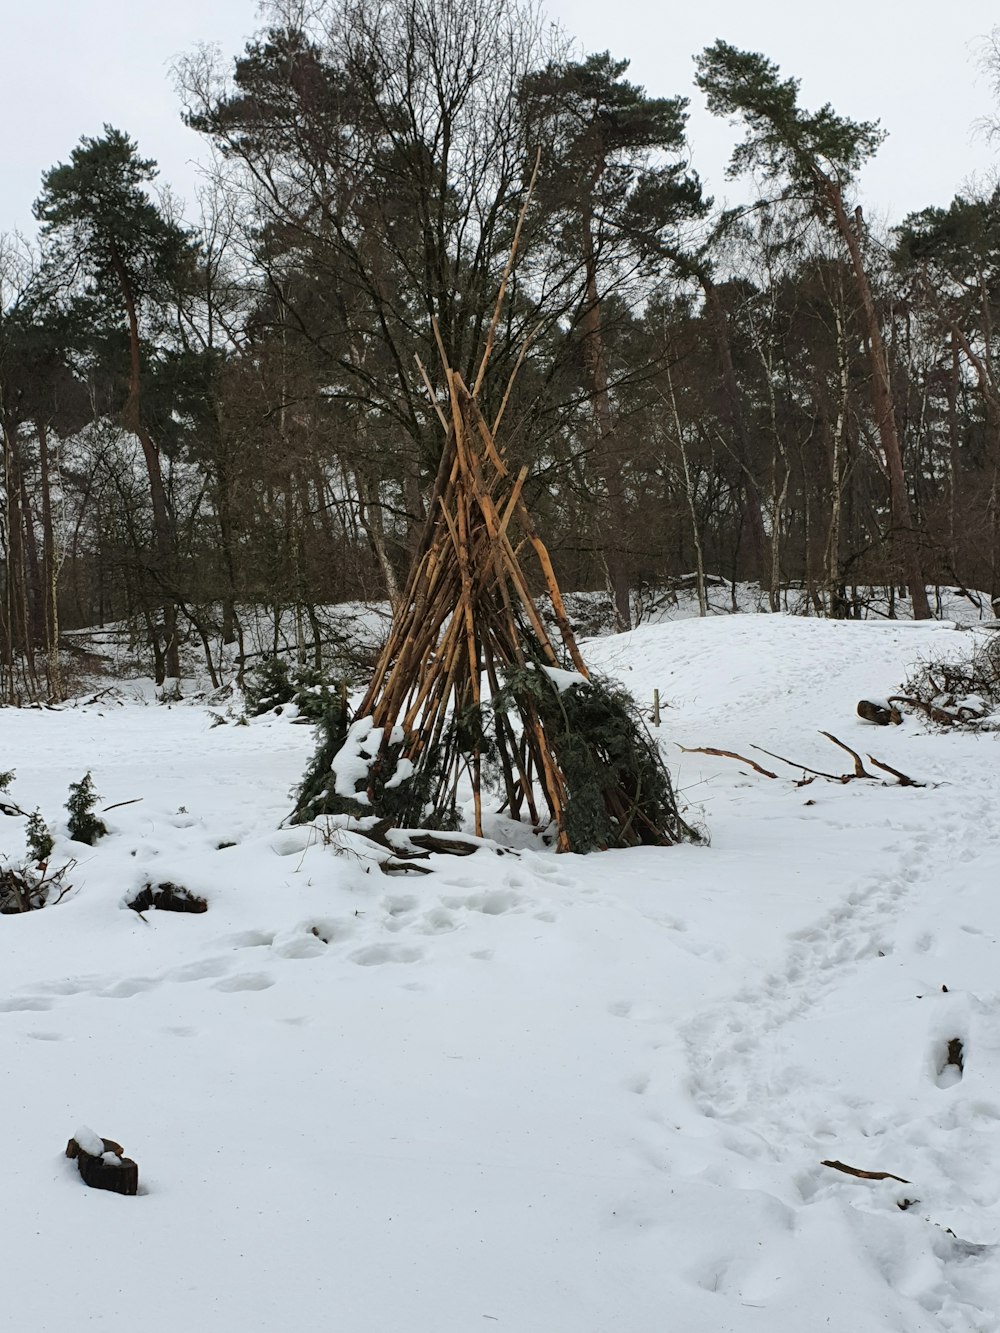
{"points": [[71, 65]]}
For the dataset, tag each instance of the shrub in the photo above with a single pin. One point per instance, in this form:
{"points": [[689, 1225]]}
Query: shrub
{"points": [[38, 839], [964, 691], [84, 825], [267, 686], [274, 683]]}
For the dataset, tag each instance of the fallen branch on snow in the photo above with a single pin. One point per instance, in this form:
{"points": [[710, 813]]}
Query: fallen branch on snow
{"points": [[864, 1175], [902, 779], [727, 754]]}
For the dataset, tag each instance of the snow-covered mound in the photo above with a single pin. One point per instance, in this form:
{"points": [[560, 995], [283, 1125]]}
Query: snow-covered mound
{"points": [[551, 1094]]}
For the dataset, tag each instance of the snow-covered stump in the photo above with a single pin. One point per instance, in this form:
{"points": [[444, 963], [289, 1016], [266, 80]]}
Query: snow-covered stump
{"points": [[102, 1163]]}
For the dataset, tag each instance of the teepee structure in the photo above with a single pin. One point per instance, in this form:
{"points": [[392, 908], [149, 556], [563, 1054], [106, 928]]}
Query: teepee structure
{"points": [[472, 687]]}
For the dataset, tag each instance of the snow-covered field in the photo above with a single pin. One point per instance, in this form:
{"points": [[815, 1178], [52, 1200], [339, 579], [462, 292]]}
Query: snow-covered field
{"points": [[547, 1094]]}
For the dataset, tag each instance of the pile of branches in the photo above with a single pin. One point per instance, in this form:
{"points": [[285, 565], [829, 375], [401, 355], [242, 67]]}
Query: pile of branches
{"points": [[27, 888], [472, 684], [965, 692]]}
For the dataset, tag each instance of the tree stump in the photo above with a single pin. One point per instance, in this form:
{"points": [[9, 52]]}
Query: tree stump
{"points": [[107, 1170], [167, 897]]}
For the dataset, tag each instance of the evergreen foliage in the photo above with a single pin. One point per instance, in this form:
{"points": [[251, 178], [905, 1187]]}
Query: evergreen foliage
{"points": [[619, 791], [314, 796], [314, 694], [84, 825], [267, 686], [96, 205], [782, 138], [38, 839], [275, 682]]}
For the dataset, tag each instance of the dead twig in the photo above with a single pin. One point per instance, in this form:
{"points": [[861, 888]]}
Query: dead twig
{"points": [[816, 772], [727, 754], [118, 804]]}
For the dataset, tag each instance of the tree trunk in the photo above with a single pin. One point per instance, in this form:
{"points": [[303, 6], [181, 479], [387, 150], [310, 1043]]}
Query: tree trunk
{"points": [[738, 425], [615, 527], [162, 530], [903, 530], [50, 568]]}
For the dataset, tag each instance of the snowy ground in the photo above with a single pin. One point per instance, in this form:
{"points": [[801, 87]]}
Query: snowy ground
{"points": [[542, 1093]]}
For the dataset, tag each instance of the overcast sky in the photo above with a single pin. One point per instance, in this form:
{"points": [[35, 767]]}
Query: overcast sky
{"points": [[71, 66]]}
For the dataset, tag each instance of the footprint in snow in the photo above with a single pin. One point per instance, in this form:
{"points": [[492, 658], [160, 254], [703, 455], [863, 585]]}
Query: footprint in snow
{"points": [[491, 902], [203, 970], [125, 989], [438, 921], [246, 981], [401, 903], [312, 938], [377, 954], [247, 939]]}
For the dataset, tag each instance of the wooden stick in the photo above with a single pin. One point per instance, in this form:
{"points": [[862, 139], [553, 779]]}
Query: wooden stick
{"points": [[859, 769], [727, 754], [491, 334], [904, 781], [514, 374], [865, 1175], [431, 395], [832, 777]]}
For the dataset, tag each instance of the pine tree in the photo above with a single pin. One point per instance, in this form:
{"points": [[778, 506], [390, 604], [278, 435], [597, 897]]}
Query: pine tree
{"points": [[96, 210], [815, 156], [613, 183]]}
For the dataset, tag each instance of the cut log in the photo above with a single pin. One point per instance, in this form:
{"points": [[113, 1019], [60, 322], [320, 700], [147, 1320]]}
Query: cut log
{"points": [[881, 715], [111, 1170]]}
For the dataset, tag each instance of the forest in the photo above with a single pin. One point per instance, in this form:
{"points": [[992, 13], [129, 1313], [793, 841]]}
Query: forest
{"points": [[210, 418]]}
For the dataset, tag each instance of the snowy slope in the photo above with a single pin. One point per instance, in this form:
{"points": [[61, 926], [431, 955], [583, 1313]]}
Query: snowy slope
{"points": [[551, 1094]]}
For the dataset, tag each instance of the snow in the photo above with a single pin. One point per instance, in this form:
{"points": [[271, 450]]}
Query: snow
{"points": [[543, 1093], [353, 760], [89, 1141], [562, 680]]}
